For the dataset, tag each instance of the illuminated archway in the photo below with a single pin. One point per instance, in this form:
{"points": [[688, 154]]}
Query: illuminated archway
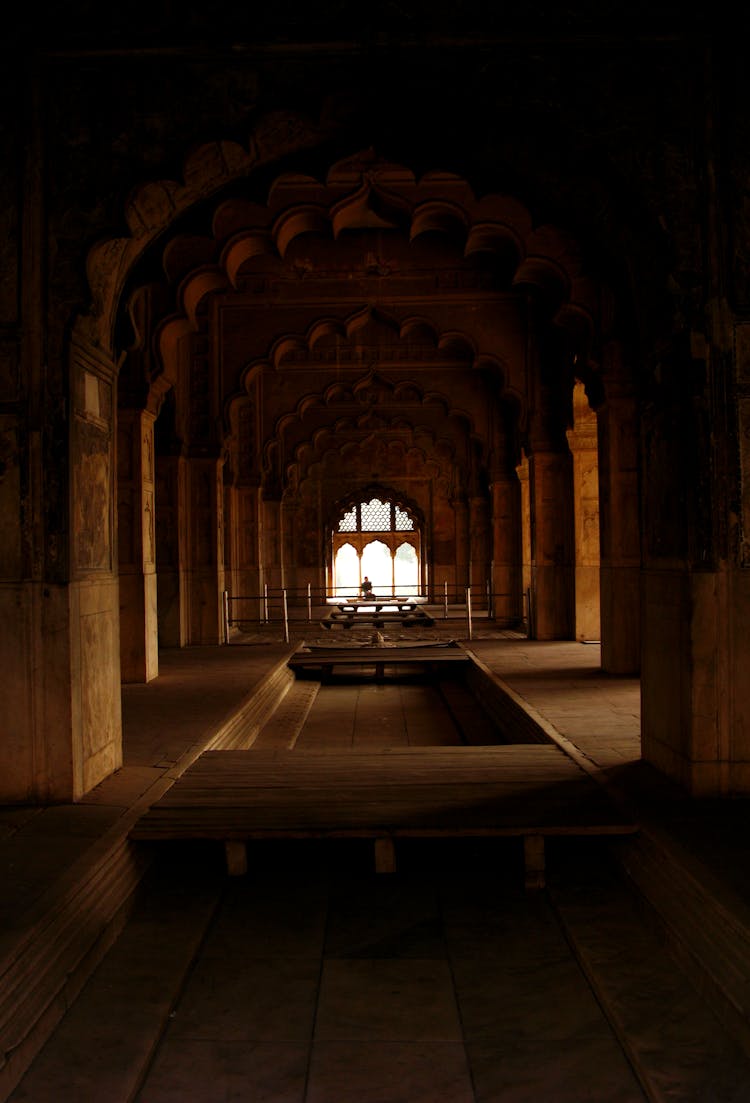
{"points": [[378, 537]]}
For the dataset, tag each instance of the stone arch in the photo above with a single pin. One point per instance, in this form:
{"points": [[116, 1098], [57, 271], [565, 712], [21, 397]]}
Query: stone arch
{"points": [[392, 537], [156, 205], [491, 240]]}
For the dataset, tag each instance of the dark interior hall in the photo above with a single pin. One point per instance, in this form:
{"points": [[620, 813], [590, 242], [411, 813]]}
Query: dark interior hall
{"points": [[452, 297]]}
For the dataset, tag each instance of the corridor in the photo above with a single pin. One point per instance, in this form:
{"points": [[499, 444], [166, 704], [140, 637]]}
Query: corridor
{"points": [[313, 980]]}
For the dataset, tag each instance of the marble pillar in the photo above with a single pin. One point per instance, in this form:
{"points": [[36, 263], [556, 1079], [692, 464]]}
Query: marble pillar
{"points": [[619, 528], [171, 550], [507, 591], [462, 545], [522, 472], [582, 441], [243, 581], [551, 510], [139, 653], [205, 551]]}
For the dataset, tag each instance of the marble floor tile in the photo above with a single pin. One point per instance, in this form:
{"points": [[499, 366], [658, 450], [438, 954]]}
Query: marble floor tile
{"points": [[592, 1070], [378, 1072], [387, 1000], [262, 916], [249, 999], [500, 925], [547, 999], [384, 917], [104, 1041], [190, 1071], [91, 1059]]}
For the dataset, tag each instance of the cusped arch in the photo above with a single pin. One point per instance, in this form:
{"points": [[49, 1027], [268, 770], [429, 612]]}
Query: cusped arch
{"points": [[362, 192], [154, 206], [383, 492], [382, 404], [366, 326], [330, 446]]}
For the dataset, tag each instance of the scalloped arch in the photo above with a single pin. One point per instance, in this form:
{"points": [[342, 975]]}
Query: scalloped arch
{"points": [[292, 424], [349, 331], [374, 490], [361, 192], [154, 205], [330, 450], [439, 216]]}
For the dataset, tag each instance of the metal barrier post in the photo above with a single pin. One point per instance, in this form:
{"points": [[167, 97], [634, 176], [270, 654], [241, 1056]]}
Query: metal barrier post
{"points": [[225, 613], [286, 617], [445, 600], [265, 603], [468, 612], [309, 601]]}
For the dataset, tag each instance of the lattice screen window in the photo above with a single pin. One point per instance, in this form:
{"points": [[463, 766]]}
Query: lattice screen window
{"points": [[381, 540], [404, 522], [376, 516], [348, 522]]}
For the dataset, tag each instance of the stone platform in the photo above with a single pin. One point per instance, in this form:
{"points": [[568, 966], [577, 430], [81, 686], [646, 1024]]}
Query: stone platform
{"points": [[532, 792], [68, 874]]}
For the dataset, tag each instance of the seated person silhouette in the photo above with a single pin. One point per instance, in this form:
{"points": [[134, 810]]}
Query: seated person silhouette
{"points": [[366, 588]]}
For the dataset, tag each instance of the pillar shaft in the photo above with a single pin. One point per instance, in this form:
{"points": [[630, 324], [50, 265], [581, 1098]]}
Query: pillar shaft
{"points": [[205, 553], [59, 648], [551, 505], [620, 570], [463, 547], [479, 527], [506, 548], [243, 553], [139, 656], [582, 441], [271, 543], [171, 550]]}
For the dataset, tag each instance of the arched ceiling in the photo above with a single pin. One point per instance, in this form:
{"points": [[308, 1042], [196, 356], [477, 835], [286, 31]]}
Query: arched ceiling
{"points": [[387, 225], [365, 193], [401, 415]]}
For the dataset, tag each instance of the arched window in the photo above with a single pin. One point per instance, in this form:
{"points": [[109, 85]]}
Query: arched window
{"points": [[380, 538], [347, 566]]}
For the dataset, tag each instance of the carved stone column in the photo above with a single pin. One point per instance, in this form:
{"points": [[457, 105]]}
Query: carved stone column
{"points": [[582, 441], [522, 471], [59, 595], [271, 543], [551, 501], [136, 516], [171, 550], [289, 514], [242, 530], [479, 526], [620, 550], [550, 484], [205, 557], [506, 548], [461, 518]]}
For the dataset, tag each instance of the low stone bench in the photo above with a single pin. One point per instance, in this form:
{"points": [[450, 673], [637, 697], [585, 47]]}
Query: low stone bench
{"points": [[406, 617], [532, 792]]}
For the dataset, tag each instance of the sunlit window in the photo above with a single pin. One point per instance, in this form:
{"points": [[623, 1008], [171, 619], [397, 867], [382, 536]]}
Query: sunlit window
{"points": [[390, 562], [406, 570], [347, 569], [348, 522], [403, 522], [376, 516]]}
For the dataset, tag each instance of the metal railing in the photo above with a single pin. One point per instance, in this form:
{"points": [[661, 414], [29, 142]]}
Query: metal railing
{"points": [[289, 604]]}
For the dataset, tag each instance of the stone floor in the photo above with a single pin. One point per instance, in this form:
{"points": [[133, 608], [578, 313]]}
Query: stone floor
{"points": [[312, 980]]}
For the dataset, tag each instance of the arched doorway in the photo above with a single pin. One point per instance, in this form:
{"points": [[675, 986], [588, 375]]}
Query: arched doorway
{"points": [[378, 537], [403, 374]]}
